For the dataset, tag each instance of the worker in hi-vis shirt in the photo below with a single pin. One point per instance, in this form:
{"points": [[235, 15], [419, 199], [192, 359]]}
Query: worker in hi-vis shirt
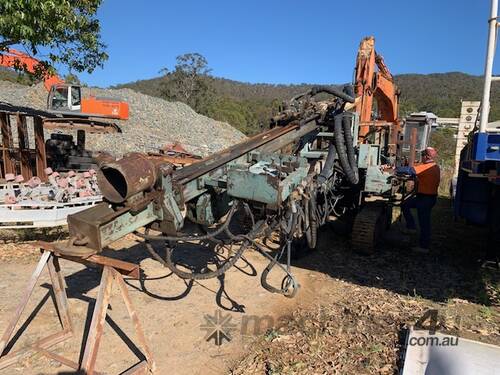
{"points": [[428, 177]]}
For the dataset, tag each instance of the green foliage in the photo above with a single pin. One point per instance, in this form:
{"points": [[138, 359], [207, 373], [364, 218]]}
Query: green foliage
{"points": [[247, 106], [232, 112], [72, 79], [442, 93], [17, 77], [187, 83], [445, 142], [244, 115], [190, 82], [69, 29]]}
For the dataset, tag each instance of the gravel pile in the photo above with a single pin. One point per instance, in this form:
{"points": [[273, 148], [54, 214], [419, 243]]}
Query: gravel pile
{"points": [[152, 123]]}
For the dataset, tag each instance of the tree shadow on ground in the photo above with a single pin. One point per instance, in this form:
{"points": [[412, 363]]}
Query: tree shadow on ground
{"points": [[451, 270]]}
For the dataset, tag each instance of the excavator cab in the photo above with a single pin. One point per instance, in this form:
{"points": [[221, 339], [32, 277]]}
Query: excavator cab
{"points": [[64, 98], [423, 122]]}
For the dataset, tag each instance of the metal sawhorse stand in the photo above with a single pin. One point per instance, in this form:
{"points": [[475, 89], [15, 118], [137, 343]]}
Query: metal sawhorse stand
{"points": [[112, 272]]}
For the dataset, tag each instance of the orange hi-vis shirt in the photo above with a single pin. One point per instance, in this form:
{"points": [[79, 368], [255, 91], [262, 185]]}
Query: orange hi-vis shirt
{"points": [[429, 176]]}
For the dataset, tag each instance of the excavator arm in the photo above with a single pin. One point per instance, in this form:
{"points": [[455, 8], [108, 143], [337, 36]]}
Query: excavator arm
{"points": [[20, 60], [375, 83]]}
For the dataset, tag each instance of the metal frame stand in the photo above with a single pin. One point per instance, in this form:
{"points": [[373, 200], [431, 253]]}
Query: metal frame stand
{"points": [[111, 273]]}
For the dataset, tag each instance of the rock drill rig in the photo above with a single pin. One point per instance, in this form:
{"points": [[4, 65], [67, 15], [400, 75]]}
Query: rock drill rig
{"points": [[291, 179]]}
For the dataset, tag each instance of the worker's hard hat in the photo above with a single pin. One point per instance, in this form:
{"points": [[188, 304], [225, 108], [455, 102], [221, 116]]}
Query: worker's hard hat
{"points": [[431, 152]]}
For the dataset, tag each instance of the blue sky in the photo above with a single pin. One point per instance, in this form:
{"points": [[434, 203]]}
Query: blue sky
{"points": [[290, 41]]}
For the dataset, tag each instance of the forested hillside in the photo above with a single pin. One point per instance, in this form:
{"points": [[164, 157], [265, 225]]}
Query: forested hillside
{"points": [[248, 106], [245, 105], [442, 93]]}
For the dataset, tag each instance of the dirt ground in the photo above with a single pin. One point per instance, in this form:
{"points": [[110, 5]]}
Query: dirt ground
{"points": [[172, 311], [348, 317]]}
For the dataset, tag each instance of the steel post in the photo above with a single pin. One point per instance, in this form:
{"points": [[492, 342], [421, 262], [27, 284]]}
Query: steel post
{"points": [[488, 69]]}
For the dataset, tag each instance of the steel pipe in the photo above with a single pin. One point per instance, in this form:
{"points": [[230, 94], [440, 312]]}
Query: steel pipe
{"points": [[120, 179], [488, 69]]}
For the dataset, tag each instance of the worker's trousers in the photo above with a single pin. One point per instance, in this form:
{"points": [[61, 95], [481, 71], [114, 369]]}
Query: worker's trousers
{"points": [[423, 203]]}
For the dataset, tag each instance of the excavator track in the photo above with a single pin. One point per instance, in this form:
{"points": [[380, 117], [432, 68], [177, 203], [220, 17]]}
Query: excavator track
{"points": [[368, 228]]}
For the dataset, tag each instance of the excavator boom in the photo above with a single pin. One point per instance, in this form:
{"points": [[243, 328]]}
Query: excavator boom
{"points": [[17, 59], [374, 82]]}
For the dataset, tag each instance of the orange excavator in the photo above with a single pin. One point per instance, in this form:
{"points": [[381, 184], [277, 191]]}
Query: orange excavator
{"points": [[377, 96], [66, 99]]}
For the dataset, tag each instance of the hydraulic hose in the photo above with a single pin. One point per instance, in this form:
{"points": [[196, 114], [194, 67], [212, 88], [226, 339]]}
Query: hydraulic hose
{"points": [[332, 91], [289, 290], [208, 236], [349, 141], [349, 90], [204, 275], [311, 220], [167, 262], [341, 150], [327, 170], [344, 94]]}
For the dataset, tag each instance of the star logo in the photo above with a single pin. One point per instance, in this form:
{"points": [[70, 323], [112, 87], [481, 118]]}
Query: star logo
{"points": [[218, 327]]}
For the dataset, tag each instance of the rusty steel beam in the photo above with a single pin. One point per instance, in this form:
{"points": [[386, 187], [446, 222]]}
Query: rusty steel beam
{"points": [[14, 110], [9, 164], [22, 134], [53, 121], [41, 157], [413, 145], [80, 140], [179, 160], [289, 138], [87, 125], [216, 160]]}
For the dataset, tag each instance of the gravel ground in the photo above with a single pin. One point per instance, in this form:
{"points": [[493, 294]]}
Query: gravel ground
{"points": [[152, 123]]}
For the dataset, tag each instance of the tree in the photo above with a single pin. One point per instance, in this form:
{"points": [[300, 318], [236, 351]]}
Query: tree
{"points": [[188, 82], [72, 79], [68, 29]]}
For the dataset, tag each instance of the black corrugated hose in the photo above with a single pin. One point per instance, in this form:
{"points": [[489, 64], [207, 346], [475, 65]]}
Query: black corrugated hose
{"points": [[349, 141], [327, 169], [342, 151]]}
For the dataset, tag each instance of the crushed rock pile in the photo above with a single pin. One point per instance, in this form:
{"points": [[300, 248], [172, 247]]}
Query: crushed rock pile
{"points": [[153, 122]]}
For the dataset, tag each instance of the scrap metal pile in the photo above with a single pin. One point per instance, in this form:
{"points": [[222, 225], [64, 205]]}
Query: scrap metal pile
{"points": [[35, 203], [61, 187], [42, 181]]}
